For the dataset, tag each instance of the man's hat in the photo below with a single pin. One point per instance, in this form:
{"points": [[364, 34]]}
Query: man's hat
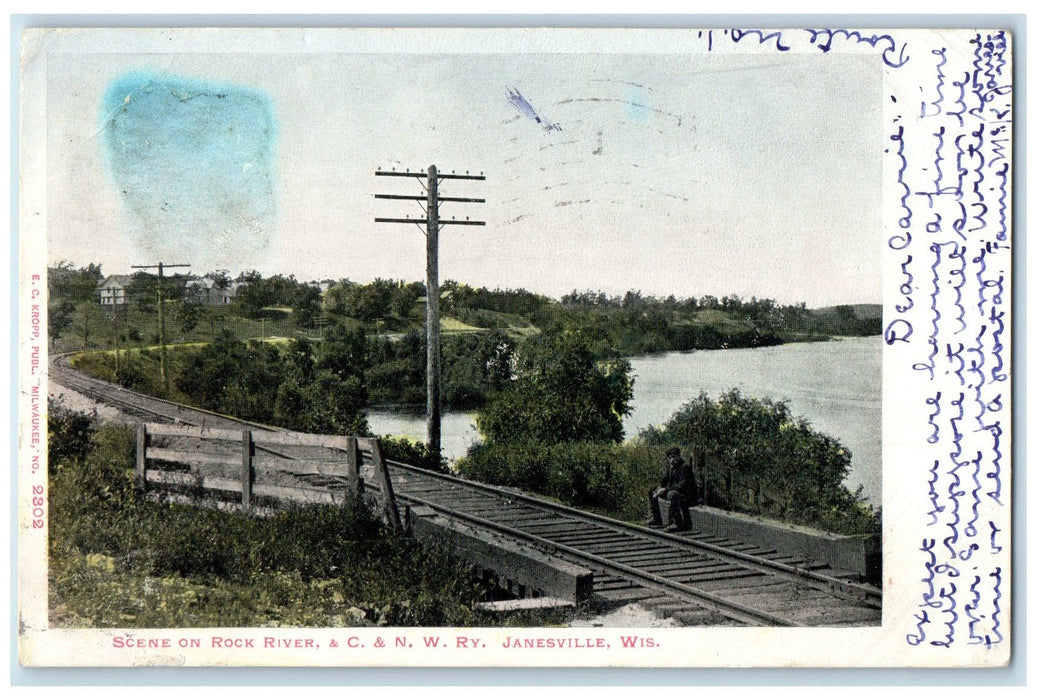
{"points": [[673, 452]]}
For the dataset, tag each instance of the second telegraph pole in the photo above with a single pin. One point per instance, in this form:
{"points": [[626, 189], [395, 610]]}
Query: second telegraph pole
{"points": [[433, 355], [161, 318], [432, 225]]}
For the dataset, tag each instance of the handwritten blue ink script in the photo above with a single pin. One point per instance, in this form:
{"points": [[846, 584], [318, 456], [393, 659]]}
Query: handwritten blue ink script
{"points": [[947, 326]]}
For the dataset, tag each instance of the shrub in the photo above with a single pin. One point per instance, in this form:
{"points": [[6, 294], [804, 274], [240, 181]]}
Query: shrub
{"points": [[562, 393], [69, 435], [764, 460], [592, 474], [414, 453]]}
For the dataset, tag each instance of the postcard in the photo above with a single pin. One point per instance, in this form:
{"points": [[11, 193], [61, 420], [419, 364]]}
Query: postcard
{"points": [[515, 347]]}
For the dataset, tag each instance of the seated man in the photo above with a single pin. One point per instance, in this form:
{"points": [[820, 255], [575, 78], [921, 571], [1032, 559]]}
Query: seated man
{"points": [[678, 488]]}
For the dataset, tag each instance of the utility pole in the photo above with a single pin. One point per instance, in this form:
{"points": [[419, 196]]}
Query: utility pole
{"points": [[432, 224], [161, 317], [118, 339]]}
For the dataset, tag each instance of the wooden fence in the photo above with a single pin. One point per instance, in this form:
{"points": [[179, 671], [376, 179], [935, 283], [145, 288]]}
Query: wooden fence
{"points": [[726, 487], [259, 465]]}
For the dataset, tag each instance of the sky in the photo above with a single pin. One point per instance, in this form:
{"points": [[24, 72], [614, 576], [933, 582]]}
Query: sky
{"points": [[667, 173]]}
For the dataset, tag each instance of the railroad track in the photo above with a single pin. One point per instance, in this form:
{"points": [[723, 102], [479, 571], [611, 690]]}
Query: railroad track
{"points": [[692, 577]]}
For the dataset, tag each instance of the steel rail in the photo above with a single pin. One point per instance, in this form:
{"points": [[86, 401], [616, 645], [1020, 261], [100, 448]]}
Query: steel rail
{"points": [[110, 390], [852, 591], [858, 593], [735, 611], [113, 393]]}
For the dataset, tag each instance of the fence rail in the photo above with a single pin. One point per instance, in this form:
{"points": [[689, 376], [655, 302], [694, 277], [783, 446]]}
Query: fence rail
{"points": [[246, 463]]}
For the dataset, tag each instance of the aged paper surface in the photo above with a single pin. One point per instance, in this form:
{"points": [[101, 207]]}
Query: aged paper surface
{"points": [[835, 166]]}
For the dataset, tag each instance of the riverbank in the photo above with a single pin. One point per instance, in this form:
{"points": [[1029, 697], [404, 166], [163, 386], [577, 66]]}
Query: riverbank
{"points": [[834, 385]]}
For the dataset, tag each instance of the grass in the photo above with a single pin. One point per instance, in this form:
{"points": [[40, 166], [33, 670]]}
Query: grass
{"points": [[449, 324], [118, 559], [721, 320], [141, 327]]}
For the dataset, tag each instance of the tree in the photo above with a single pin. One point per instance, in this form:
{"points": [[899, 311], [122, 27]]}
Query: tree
{"points": [[211, 370], [142, 292], [252, 295], [306, 306], [787, 467], [87, 321], [343, 352], [71, 284], [561, 393], [187, 315], [404, 297], [67, 289]]}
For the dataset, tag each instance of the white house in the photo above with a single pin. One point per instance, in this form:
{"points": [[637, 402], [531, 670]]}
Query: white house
{"points": [[112, 290], [207, 291]]}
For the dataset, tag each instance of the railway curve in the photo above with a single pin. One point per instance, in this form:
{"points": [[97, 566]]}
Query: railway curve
{"points": [[692, 577]]}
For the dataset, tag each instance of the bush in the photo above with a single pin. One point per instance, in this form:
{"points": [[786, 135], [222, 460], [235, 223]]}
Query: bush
{"points": [[604, 476], [562, 393], [414, 453], [69, 434], [764, 460]]}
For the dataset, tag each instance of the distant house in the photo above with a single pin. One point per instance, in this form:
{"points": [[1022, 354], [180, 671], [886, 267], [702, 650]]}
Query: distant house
{"points": [[208, 290], [112, 290]]}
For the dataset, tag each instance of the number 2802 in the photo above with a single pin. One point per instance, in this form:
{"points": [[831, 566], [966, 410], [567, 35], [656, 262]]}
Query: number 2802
{"points": [[37, 507]]}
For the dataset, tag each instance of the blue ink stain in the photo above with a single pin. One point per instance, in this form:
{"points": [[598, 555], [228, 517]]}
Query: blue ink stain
{"points": [[636, 100], [520, 103], [193, 162]]}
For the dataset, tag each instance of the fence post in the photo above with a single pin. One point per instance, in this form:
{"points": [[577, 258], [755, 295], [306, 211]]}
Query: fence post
{"points": [[141, 469], [353, 465], [698, 464], [247, 450], [392, 514]]}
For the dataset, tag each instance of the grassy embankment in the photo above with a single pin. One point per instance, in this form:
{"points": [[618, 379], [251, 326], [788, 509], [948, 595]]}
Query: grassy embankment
{"points": [[120, 560]]}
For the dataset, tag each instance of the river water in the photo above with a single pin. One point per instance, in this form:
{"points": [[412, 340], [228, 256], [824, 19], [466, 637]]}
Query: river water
{"points": [[835, 385]]}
